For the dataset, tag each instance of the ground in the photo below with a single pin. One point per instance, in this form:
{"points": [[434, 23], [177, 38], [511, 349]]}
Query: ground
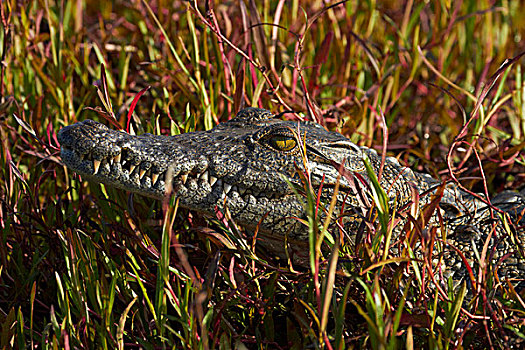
{"points": [[85, 266]]}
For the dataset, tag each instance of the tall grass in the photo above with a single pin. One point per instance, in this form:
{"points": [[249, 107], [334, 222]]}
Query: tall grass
{"points": [[85, 266]]}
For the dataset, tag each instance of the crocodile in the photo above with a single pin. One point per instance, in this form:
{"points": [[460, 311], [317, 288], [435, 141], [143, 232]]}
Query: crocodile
{"points": [[256, 164]]}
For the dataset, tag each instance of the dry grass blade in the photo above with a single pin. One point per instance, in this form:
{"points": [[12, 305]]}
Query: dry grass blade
{"points": [[87, 266], [259, 36], [133, 105], [488, 87]]}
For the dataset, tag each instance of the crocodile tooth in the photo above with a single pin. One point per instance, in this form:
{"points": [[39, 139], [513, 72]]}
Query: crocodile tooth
{"points": [[184, 177], [213, 180], [117, 158], [110, 161], [131, 168], [96, 166], [154, 178], [227, 188], [168, 179], [204, 176], [141, 173]]}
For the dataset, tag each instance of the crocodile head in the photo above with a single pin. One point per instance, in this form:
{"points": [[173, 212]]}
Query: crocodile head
{"points": [[246, 164]]}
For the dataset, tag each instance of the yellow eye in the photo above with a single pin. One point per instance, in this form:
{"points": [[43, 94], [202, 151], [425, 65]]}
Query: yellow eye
{"points": [[282, 143]]}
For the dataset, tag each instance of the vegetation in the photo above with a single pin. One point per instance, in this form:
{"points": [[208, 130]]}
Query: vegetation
{"points": [[84, 266]]}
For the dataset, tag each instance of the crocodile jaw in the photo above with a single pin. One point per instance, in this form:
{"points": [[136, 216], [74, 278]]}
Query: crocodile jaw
{"points": [[124, 161], [118, 159]]}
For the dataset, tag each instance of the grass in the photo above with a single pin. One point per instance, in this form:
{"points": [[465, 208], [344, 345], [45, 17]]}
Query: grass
{"points": [[83, 266]]}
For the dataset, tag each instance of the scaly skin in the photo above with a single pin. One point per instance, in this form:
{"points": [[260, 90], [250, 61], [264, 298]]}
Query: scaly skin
{"points": [[246, 162]]}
